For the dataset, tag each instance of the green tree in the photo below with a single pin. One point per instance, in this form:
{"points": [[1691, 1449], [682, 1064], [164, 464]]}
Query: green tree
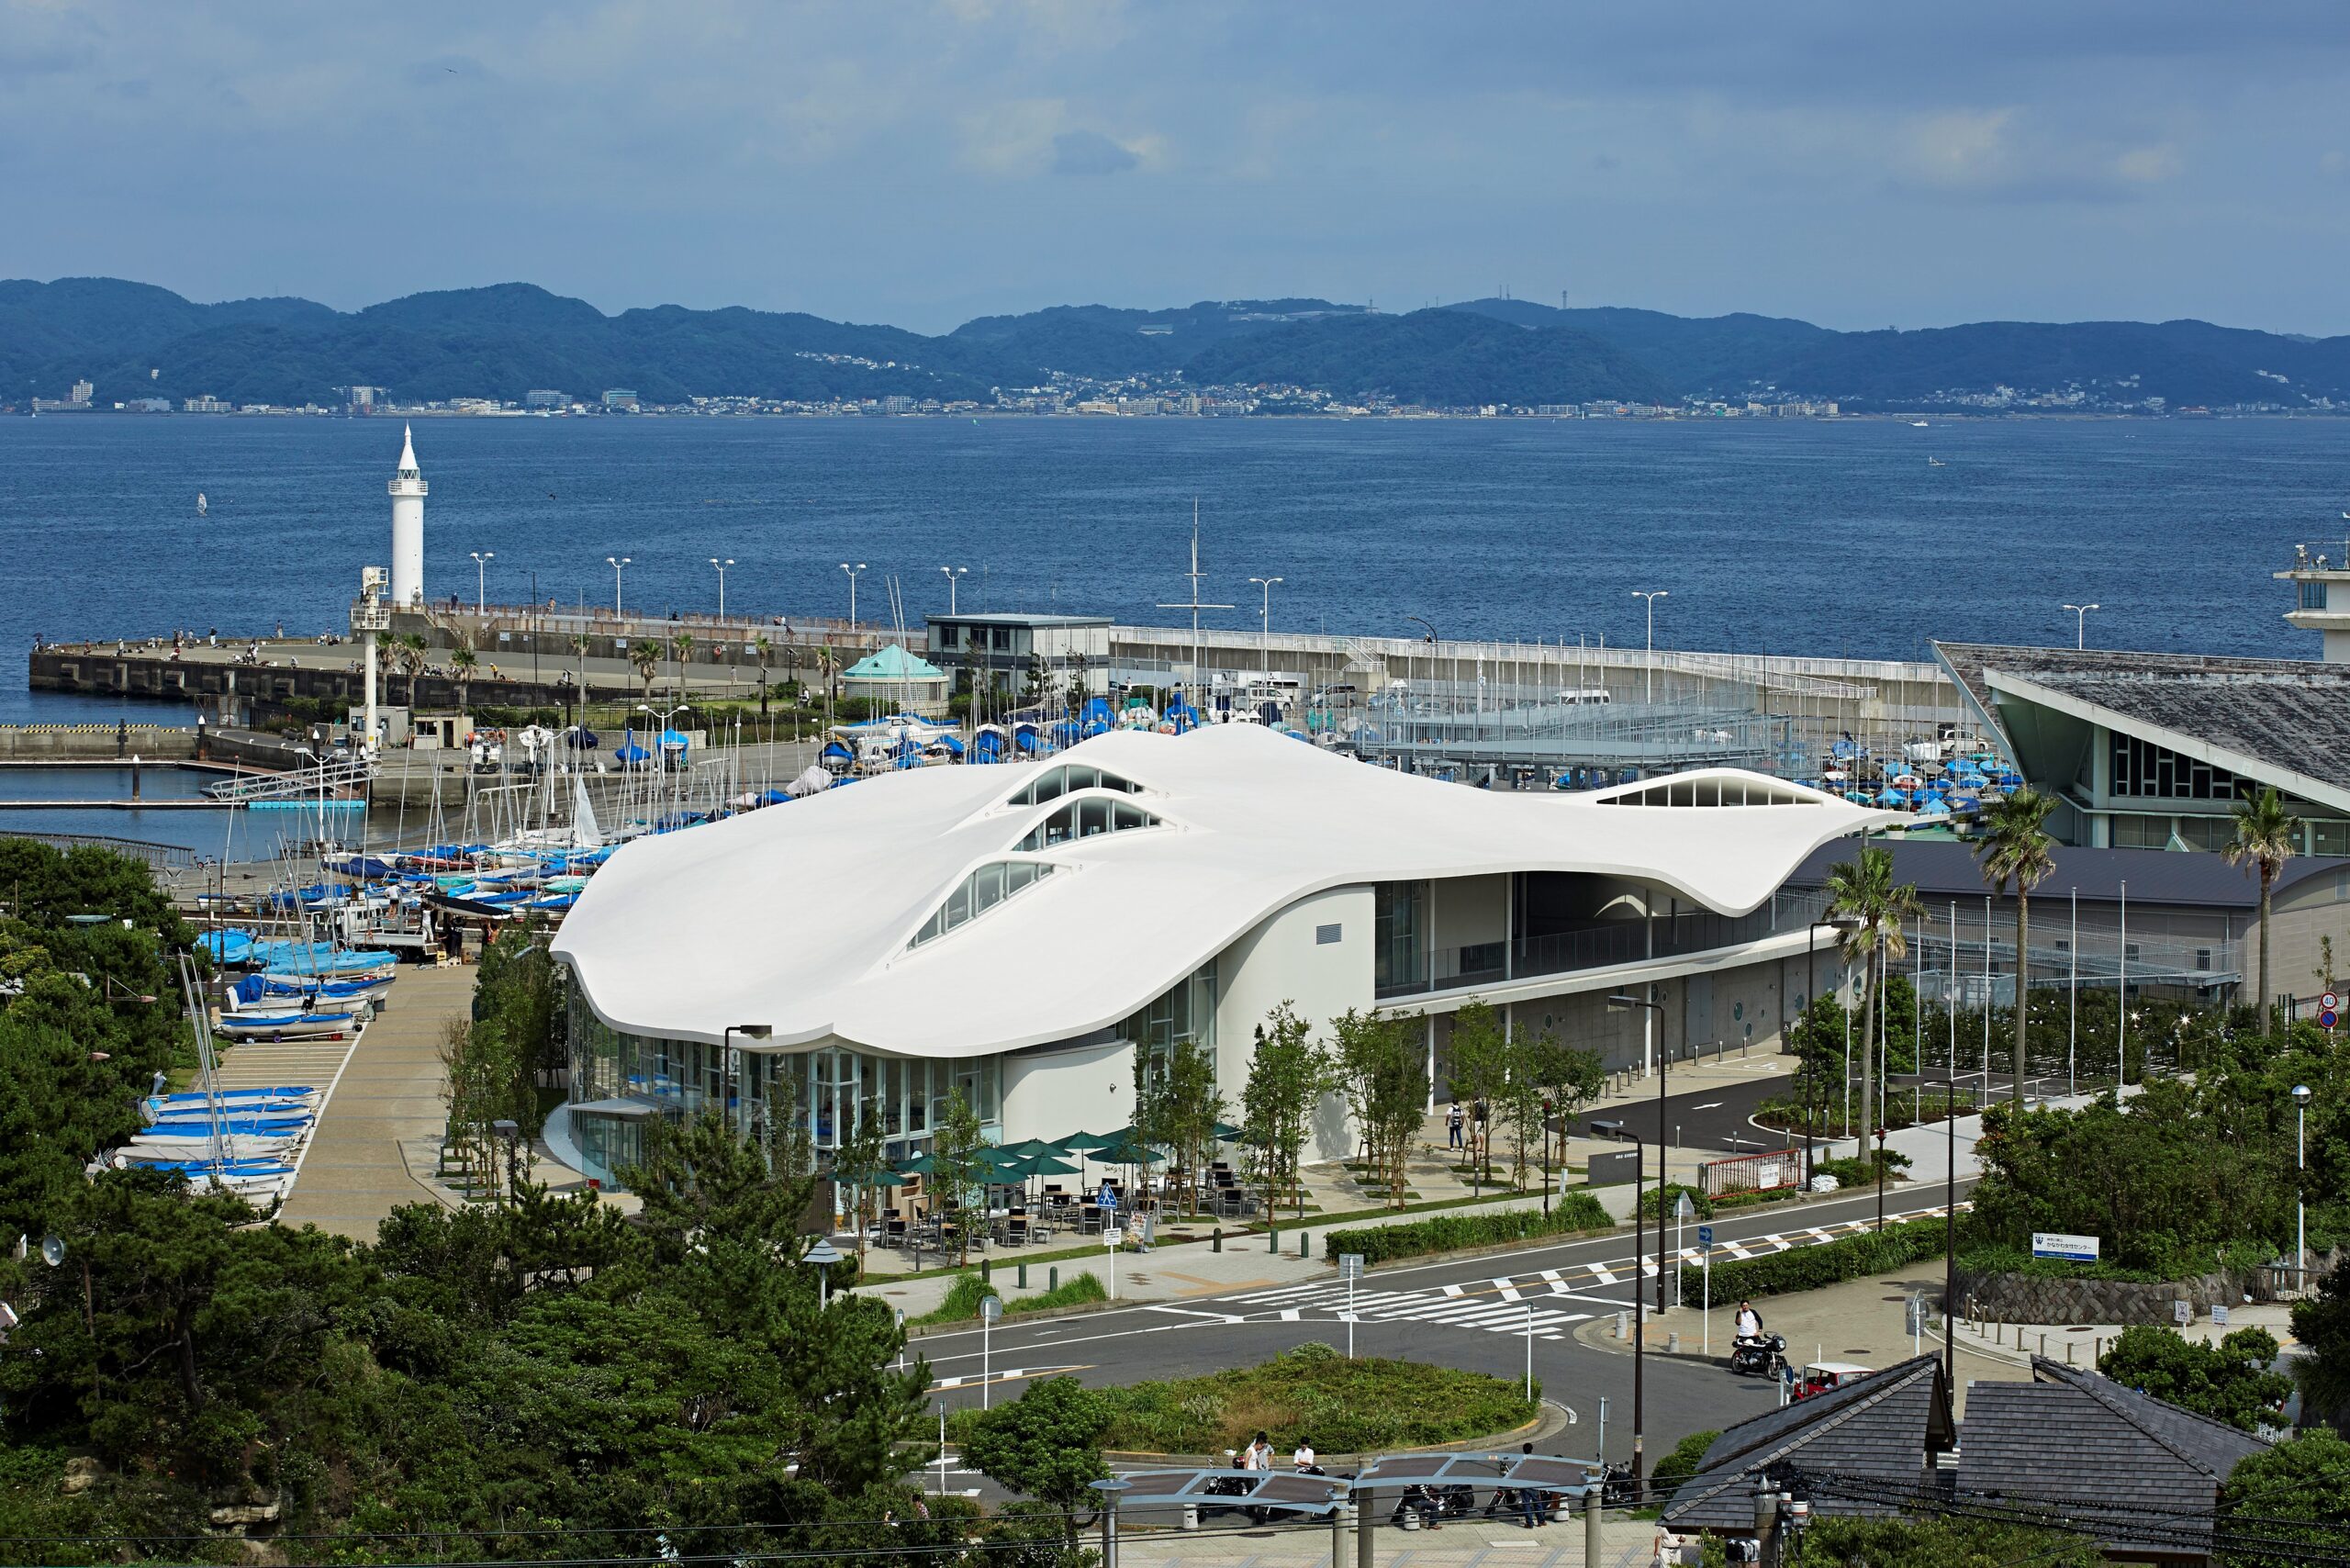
{"points": [[2263, 837], [1946, 1543], [2230, 1382], [2300, 1480], [1046, 1444], [682, 643], [1382, 1070], [1177, 1104], [857, 1160], [2322, 1324], [465, 661], [956, 1168], [1863, 892], [645, 654], [2017, 850], [1288, 1075], [517, 987], [1546, 1080], [1479, 1070], [762, 649], [1681, 1464]]}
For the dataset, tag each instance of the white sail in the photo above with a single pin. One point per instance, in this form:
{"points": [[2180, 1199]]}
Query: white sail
{"points": [[584, 834]]}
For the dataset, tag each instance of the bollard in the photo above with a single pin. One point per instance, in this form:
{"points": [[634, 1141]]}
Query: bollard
{"points": [[2043, 1346], [1301, 1244], [1623, 1326], [1053, 1277], [1272, 1240], [1217, 1240], [1342, 1518], [1190, 1516], [1673, 1344], [2068, 1350], [1023, 1279], [1591, 1519], [987, 1270]]}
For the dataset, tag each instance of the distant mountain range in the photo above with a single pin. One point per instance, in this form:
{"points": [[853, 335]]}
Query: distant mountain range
{"points": [[134, 339]]}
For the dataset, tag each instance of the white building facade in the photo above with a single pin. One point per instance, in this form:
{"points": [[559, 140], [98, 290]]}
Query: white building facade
{"points": [[1019, 932]]}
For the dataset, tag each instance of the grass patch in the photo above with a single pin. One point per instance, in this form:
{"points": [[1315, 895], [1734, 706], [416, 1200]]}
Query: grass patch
{"points": [[963, 1298], [1312, 1393]]}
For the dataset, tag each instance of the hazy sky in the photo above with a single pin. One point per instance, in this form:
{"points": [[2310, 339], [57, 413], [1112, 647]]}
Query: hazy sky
{"points": [[1859, 164]]}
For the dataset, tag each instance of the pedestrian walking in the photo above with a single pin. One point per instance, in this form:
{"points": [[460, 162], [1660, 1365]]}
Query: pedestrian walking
{"points": [[1453, 1121]]}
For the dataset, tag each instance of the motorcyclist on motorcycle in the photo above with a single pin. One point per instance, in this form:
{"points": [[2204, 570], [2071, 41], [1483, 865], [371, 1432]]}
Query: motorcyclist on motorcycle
{"points": [[1750, 1322]]}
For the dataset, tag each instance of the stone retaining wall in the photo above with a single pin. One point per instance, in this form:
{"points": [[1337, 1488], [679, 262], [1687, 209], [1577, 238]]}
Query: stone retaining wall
{"points": [[2031, 1298]]}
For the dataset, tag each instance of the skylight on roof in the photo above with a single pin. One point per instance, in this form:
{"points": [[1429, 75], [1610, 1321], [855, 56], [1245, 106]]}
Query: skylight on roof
{"points": [[1716, 791]]}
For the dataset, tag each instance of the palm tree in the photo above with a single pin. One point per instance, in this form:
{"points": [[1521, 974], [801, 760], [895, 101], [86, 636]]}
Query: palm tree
{"points": [[2015, 848], [763, 650], [684, 644], [1863, 892], [645, 654], [408, 651], [2264, 837], [465, 661]]}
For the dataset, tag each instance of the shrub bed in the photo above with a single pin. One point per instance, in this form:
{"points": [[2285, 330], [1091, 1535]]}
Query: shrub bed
{"points": [[1311, 1393], [1808, 1268], [963, 1298], [1570, 1213]]}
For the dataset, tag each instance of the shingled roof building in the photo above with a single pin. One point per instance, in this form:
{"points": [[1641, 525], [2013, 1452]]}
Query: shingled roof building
{"points": [[2152, 750], [1886, 1430], [2146, 1474], [2142, 1475]]}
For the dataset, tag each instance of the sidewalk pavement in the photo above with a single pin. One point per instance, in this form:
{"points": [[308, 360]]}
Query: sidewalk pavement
{"points": [[1865, 1321]]}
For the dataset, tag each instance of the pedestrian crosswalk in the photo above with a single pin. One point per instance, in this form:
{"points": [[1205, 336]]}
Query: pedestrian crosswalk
{"points": [[1544, 1302]]}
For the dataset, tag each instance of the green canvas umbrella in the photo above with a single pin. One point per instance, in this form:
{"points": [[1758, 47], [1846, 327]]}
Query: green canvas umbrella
{"points": [[1078, 1143], [1031, 1148], [1130, 1154], [1046, 1165], [917, 1166], [1226, 1131]]}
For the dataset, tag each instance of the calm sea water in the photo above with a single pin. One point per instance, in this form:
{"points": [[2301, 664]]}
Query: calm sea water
{"points": [[1796, 537]]}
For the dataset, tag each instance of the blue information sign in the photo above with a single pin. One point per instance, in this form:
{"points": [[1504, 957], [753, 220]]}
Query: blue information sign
{"points": [[1705, 1236]]}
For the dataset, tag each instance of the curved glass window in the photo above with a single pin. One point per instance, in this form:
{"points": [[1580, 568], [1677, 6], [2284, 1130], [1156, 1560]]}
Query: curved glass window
{"points": [[1068, 780], [1715, 791], [1085, 819], [978, 893]]}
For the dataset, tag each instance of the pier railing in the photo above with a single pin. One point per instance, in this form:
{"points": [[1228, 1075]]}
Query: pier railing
{"points": [[329, 777]]}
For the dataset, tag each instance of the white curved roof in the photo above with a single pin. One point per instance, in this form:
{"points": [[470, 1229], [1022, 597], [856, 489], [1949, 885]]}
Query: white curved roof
{"points": [[800, 916]]}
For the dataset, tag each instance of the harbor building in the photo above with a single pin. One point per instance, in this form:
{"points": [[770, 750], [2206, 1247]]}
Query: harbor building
{"points": [[2153, 750], [1019, 932]]}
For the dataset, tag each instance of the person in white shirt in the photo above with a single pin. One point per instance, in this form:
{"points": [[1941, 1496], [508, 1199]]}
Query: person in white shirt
{"points": [[1750, 1322], [1302, 1459]]}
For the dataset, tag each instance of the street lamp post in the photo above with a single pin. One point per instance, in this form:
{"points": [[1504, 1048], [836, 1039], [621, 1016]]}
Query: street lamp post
{"points": [[2081, 624], [2300, 1208], [660, 750], [1651, 597], [1622, 1002], [851, 571], [616, 563], [721, 566], [1265, 623], [481, 559], [954, 576], [1839, 924], [823, 1254]]}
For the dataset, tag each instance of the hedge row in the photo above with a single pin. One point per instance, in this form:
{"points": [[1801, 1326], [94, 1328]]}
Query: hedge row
{"points": [[1805, 1267], [1570, 1213]]}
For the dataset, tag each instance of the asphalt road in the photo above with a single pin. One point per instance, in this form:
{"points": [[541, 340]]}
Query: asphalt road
{"points": [[1468, 1314], [1713, 1117]]}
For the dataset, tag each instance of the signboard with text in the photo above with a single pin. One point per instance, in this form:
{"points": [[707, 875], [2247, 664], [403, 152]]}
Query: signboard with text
{"points": [[2071, 1249]]}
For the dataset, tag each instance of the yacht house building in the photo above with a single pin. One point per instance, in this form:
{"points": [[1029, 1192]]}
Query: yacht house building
{"points": [[1019, 931]]}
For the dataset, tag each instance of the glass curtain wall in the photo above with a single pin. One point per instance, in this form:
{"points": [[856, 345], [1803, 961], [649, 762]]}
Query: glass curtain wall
{"points": [[618, 1080]]}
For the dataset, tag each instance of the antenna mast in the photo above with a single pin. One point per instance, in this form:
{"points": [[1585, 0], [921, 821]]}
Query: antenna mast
{"points": [[1195, 606]]}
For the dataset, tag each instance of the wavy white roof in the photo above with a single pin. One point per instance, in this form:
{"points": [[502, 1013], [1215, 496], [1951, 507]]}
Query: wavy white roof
{"points": [[800, 916]]}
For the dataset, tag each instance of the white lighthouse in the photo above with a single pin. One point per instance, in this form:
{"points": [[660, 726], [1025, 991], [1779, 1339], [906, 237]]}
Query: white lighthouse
{"points": [[407, 527]]}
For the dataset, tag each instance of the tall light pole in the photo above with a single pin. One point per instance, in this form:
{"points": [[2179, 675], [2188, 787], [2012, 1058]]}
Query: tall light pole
{"points": [[954, 576], [2300, 1210], [1265, 623], [1622, 1001], [2081, 624], [721, 566], [1842, 924], [616, 563], [851, 571], [1651, 597], [481, 559]]}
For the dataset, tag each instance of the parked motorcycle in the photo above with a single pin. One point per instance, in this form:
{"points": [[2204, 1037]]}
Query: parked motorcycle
{"points": [[1762, 1357]]}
